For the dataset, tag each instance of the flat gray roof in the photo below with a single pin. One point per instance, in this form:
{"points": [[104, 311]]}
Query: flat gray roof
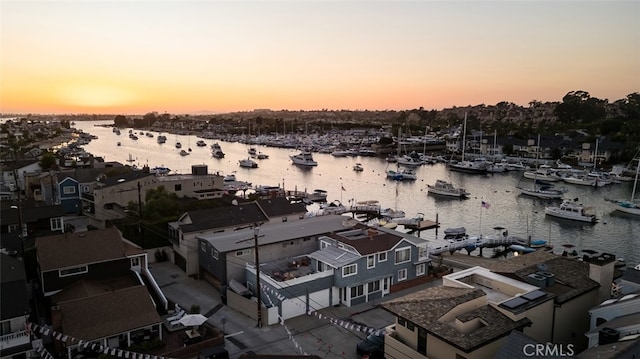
{"points": [[277, 232], [334, 256]]}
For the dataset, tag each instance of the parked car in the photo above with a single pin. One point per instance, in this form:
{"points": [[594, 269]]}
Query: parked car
{"points": [[371, 347]]}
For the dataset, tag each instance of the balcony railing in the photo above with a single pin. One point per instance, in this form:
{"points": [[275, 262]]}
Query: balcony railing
{"points": [[14, 339]]}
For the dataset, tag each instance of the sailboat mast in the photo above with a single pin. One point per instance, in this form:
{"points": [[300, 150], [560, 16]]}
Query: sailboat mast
{"points": [[635, 182], [595, 156], [464, 135]]}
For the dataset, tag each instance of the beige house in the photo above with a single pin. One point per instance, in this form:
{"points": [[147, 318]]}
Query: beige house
{"points": [[469, 316], [577, 287], [112, 195]]}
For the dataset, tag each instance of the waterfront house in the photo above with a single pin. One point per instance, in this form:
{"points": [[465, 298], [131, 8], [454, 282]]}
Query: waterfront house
{"points": [[15, 341], [15, 173], [578, 286], [471, 315], [319, 262]]}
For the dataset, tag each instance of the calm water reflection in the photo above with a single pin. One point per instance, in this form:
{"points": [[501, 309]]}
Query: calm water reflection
{"points": [[615, 233]]}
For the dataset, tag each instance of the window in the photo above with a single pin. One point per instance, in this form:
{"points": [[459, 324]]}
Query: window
{"points": [[420, 269], [373, 286], [68, 190], [410, 326], [382, 257], [402, 274], [177, 187], [321, 266], [135, 262], [422, 252], [371, 261], [349, 270], [403, 255], [243, 252], [357, 291], [73, 271], [401, 321], [56, 224], [284, 219], [203, 246], [214, 253]]}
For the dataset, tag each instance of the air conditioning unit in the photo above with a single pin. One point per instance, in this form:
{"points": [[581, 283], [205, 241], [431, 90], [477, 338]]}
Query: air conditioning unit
{"points": [[550, 277], [537, 280], [608, 336]]}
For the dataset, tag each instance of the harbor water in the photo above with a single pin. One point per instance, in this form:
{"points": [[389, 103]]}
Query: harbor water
{"points": [[522, 216]]}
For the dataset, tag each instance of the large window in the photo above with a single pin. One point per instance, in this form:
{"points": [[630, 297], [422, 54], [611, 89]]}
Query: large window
{"points": [[349, 270], [73, 271], [402, 274], [373, 287], [371, 261], [357, 291], [68, 190], [403, 255]]}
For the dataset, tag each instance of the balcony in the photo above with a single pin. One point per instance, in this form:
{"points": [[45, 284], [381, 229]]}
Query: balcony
{"points": [[14, 339]]}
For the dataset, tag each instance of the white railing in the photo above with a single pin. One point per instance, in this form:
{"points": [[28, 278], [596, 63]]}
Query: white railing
{"points": [[156, 287], [14, 339]]}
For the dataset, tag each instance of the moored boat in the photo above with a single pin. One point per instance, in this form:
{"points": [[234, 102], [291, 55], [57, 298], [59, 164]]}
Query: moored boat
{"points": [[248, 163], [445, 188], [303, 158], [571, 210]]}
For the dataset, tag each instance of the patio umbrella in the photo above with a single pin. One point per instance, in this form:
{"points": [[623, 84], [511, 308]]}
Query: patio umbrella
{"points": [[192, 320]]}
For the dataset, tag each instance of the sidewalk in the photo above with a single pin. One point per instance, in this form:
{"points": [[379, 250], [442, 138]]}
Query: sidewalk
{"points": [[309, 334]]}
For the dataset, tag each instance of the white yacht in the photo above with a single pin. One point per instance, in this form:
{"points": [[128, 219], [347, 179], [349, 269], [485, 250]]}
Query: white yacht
{"points": [[571, 210], [248, 163], [445, 188], [304, 158]]}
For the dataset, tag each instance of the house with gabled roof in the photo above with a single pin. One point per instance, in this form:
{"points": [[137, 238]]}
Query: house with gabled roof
{"points": [[99, 288], [191, 224], [224, 255], [382, 261], [15, 340], [317, 262]]}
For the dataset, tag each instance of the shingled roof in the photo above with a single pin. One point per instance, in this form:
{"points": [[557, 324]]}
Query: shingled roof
{"points": [[108, 314], [426, 307], [221, 217], [79, 248], [367, 240], [571, 276]]}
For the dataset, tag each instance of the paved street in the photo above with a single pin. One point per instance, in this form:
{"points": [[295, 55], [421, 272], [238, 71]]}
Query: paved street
{"points": [[311, 334]]}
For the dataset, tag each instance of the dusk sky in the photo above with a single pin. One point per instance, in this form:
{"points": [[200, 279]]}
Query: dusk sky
{"points": [[134, 57]]}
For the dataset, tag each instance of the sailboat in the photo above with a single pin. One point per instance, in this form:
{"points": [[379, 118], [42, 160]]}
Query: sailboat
{"points": [[544, 192], [479, 167], [631, 206]]}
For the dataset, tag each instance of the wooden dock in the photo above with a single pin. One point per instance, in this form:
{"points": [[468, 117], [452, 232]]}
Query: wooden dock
{"points": [[422, 225]]}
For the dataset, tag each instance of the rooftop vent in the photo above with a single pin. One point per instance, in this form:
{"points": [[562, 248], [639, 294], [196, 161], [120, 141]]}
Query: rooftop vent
{"points": [[537, 280]]}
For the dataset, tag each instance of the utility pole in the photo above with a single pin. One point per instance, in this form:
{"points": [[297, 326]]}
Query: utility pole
{"points": [[140, 215], [256, 232], [256, 235]]}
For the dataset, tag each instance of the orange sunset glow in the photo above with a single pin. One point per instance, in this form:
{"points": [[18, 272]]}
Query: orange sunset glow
{"points": [[182, 57]]}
